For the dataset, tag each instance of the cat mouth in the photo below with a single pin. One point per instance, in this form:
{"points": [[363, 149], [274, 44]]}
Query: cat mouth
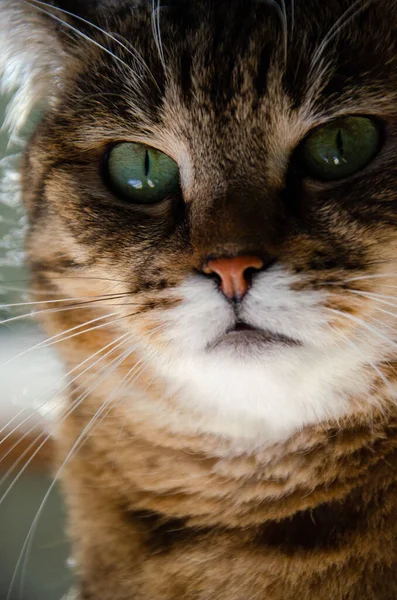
{"points": [[244, 335]]}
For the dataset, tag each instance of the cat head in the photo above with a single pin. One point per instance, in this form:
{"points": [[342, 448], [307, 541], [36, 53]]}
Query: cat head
{"points": [[224, 173]]}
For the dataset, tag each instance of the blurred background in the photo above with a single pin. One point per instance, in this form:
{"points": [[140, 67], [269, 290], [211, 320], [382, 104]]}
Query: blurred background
{"points": [[34, 554]]}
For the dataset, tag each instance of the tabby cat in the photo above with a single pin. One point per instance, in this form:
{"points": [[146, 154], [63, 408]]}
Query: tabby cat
{"points": [[211, 194]]}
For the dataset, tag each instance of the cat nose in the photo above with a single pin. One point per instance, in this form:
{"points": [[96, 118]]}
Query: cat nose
{"points": [[234, 274]]}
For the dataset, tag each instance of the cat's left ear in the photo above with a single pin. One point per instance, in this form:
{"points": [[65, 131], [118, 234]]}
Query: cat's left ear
{"points": [[34, 47], [31, 58]]}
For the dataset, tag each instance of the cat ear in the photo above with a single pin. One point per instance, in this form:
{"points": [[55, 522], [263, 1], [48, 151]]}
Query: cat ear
{"points": [[31, 58], [34, 48]]}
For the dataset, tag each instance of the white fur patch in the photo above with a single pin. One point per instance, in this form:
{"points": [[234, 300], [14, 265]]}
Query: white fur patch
{"points": [[266, 393]]}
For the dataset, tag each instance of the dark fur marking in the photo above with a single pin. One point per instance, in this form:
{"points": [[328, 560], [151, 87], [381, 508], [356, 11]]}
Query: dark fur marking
{"points": [[262, 72], [186, 75], [58, 263], [39, 208], [325, 527], [162, 533]]}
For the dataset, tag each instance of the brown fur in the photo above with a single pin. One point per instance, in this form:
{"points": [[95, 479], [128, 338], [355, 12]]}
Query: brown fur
{"points": [[159, 519], [165, 513]]}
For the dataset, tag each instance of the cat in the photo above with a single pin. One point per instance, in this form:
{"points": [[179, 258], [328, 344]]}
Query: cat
{"points": [[211, 196]]}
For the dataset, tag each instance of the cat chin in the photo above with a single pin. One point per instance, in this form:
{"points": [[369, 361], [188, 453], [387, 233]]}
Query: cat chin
{"points": [[261, 401], [284, 372]]}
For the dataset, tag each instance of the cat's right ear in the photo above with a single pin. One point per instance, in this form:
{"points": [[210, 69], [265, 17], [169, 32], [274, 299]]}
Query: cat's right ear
{"points": [[32, 57]]}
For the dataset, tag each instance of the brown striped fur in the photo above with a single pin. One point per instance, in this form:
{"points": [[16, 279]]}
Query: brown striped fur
{"points": [[161, 506]]}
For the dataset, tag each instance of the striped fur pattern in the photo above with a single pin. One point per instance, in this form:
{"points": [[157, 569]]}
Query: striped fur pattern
{"points": [[191, 468]]}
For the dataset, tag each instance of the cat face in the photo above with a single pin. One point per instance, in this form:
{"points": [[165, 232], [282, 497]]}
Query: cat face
{"points": [[224, 175]]}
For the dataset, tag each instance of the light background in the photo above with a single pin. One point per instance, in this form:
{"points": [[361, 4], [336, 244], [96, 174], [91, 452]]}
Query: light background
{"points": [[28, 380]]}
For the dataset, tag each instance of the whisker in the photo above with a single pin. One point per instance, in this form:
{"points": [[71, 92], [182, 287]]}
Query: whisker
{"points": [[351, 13], [82, 305], [363, 324], [388, 286], [82, 35], [54, 339], [156, 31], [48, 430], [375, 368], [159, 328], [26, 546], [83, 299], [7, 425], [121, 384], [372, 276], [47, 433], [131, 376], [114, 37], [113, 365], [386, 312], [122, 338], [381, 298], [139, 57], [79, 277]]}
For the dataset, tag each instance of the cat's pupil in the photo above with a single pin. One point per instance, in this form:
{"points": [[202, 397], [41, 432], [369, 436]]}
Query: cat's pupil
{"points": [[140, 174], [340, 148]]}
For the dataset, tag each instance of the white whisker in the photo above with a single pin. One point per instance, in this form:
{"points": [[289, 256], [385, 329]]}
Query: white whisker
{"points": [[54, 339], [48, 430], [381, 298], [83, 305], [86, 299], [362, 324], [29, 537], [351, 13], [112, 349], [157, 31], [75, 403], [26, 546], [11, 421], [372, 276], [133, 373], [84, 36], [392, 391], [127, 46]]}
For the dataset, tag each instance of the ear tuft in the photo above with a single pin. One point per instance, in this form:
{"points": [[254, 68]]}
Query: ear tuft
{"points": [[31, 59]]}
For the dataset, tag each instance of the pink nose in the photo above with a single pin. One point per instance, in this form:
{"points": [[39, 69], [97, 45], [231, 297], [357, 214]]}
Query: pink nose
{"points": [[233, 273]]}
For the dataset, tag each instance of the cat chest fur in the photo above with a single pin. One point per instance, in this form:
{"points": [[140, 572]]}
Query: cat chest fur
{"points": [[236, 528]]}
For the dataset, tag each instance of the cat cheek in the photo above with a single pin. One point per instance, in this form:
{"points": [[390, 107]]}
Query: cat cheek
{"points": [[274, 304], [202, 315]]}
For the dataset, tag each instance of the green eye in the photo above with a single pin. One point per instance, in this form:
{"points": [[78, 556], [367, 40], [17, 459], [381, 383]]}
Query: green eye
{"points": [[141, 174], [340, 148]]}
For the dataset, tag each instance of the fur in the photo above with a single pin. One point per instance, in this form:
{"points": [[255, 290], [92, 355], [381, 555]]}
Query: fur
{"points": [[195, 465]]}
